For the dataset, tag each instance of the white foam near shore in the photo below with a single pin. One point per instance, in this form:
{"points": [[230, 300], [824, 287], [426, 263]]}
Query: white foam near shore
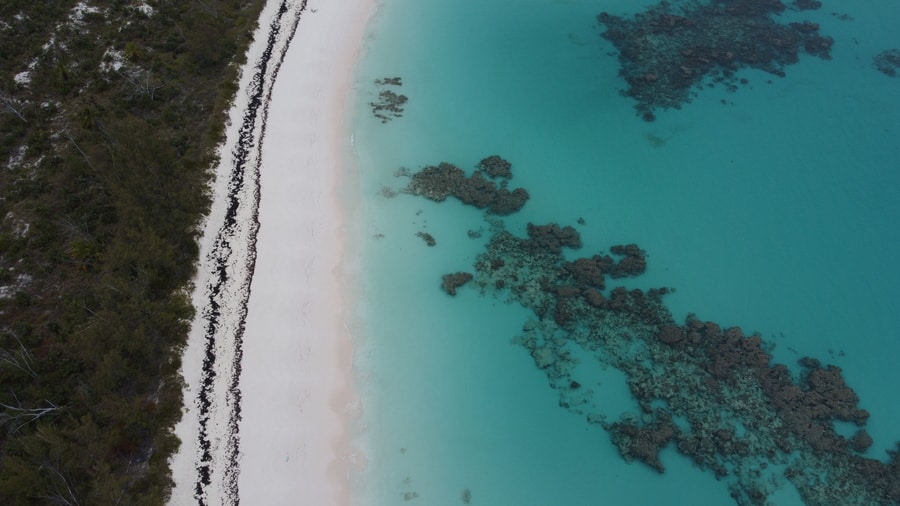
{"points": [[295, 377]]}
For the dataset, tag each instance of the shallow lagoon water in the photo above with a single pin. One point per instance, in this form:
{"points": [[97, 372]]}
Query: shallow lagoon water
{"points": [[773, 211]]}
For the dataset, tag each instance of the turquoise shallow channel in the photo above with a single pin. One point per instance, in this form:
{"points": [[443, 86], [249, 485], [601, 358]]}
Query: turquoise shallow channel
{"points": [[758, 187]]}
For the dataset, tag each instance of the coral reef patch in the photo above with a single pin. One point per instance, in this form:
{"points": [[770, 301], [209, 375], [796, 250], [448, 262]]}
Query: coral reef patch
{"points": [[806, 5], [390, 103], [437, 182], [453, 281], [671, 48], [428, 238], [887, 62], [712, 393], [496, 167]]}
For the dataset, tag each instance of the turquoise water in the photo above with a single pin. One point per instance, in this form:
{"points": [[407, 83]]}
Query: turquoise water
{"points": [[774, 211]]}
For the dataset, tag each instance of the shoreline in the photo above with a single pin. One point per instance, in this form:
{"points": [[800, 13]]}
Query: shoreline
{"points": [[279, 429]]}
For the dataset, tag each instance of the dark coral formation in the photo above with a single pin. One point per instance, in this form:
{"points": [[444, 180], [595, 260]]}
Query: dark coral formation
{"points": [[445, 180], [392, 81], [668, 50], [590, 272], [806, 5], [711, 392], [496, 167], [390, 104], [453, 281], [643, 442], [633, 263], [428, 238], [551, 238], [737, 413], [887, 62]]}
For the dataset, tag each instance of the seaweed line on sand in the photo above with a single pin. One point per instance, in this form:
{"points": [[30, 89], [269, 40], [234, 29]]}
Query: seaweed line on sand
{"points": [[232, 262]]}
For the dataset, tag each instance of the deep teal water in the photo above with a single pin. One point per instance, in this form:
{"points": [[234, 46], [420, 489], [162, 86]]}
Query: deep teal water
{"points": [[774, 211]]}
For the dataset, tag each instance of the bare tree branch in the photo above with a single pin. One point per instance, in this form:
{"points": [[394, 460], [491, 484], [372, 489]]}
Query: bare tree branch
{"points": [[209, 7], [12, 106], [59, 498], [83, 154], [141, 84], [19, 416], [20, 359]]}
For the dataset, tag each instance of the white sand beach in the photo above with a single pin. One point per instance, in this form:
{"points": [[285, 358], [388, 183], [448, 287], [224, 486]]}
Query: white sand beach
{"points": [[296, 379], [294, 392]]}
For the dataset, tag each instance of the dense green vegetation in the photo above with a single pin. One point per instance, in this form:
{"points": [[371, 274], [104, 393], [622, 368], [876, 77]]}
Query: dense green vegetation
{"points": [[106, 146]]}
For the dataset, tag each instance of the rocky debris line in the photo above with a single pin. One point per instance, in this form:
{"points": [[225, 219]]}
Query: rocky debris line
{"points": [[428, 238], [453, 281], [445, 179], [887, 62], [390, 104], [667, 50], [711, 392]]}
